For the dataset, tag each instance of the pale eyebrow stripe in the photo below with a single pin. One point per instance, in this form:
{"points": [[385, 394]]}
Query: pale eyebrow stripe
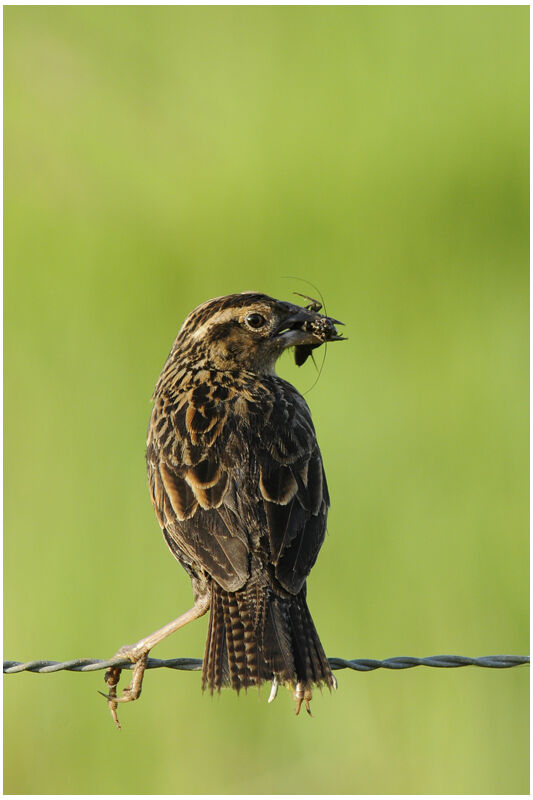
{"points": [[216, 319]]}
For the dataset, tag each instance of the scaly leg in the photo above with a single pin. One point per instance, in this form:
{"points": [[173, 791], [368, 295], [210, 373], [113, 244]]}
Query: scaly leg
{"points": [[138, 654]]}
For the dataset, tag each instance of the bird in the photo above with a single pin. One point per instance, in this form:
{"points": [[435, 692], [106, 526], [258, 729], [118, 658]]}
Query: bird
{"points": [[238, 487]]}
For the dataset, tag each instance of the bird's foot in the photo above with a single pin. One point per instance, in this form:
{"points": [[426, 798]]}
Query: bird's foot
{"points": [[139, 657], [303, 694]]}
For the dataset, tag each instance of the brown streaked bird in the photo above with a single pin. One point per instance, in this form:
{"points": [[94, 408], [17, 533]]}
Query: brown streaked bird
{"points": [[239, 490]]}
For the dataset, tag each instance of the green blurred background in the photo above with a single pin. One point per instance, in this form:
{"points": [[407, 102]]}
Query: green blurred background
{"points": [[159, 156]]}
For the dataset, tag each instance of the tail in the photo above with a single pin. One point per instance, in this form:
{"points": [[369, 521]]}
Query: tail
{"points": [[255, 635]]}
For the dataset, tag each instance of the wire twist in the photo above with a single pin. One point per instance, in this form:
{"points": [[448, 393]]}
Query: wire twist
{"points": [[194, 664]]}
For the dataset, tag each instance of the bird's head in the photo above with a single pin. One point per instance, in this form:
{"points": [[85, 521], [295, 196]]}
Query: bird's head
{"points": [[251, 330]]}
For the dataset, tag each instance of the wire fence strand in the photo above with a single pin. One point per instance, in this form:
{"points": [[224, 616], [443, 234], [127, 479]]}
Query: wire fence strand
{"points": [[194, 664]]}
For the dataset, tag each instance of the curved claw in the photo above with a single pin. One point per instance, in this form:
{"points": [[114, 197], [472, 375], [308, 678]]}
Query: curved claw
{"points": [[131, 692], [112, 705], [107, 696], [303, 694], [125, 697]]}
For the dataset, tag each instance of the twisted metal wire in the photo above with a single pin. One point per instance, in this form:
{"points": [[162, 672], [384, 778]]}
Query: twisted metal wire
{"points": [[193, 664]]}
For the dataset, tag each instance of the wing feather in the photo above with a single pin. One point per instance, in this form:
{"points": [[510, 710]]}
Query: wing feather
{"points": [[230, 487], [294, 491]]}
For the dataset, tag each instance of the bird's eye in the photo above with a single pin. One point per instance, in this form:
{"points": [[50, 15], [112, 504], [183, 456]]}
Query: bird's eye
{"points": [[255, 320]]}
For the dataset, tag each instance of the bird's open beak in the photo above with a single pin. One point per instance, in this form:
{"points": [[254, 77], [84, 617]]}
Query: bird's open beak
{"points": [[295, 330], [305, 330], [304, 327]]}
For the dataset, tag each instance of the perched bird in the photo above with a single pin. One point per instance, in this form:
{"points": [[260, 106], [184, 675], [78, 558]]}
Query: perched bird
{"points": [[239, 490]]}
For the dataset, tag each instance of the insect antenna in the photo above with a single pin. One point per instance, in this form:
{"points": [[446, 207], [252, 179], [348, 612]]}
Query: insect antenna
{"points": [[319, 369], [306, 297]]}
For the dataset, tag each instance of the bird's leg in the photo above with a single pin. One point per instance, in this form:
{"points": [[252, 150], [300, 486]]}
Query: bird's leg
{"points": [[138, 654], [303, 694]]}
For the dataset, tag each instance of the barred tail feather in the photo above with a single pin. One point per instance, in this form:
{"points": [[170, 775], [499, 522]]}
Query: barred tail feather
{"points": [[255, 636]]}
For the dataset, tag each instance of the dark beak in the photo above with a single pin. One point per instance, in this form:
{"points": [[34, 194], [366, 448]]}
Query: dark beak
{"points": [[295, 322], [306, 329]]}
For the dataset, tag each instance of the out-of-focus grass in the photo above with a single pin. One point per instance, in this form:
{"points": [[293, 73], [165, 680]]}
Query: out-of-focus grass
{"points": [[158, 156]]}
